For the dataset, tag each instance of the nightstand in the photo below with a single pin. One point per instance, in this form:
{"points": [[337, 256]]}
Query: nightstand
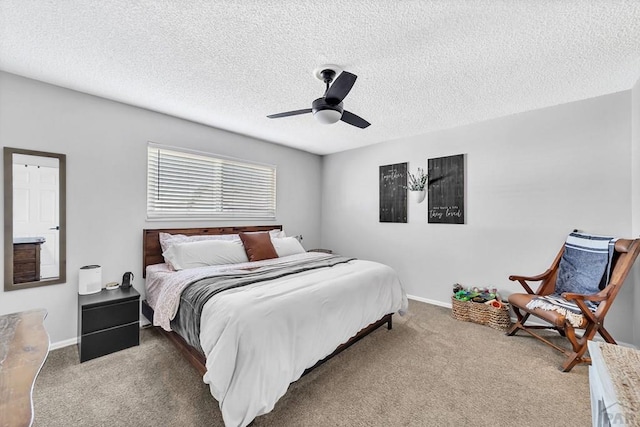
{"points": [[108, 321]]}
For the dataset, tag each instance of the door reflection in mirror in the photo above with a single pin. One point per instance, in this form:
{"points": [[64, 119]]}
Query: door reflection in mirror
{"points": [[34, 218], [35, 215]]}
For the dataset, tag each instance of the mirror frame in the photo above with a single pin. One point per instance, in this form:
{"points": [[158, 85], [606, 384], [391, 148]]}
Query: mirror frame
{"points": [[8, 153]]}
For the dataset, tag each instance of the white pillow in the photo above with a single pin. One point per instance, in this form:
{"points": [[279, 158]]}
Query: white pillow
{"points": [[287, 246], [274, 234], [166, 239], [204, 253], [277, 234]]}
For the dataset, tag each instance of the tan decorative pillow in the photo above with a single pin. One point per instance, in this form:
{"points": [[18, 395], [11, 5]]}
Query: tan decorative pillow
{"points": [[258, 246]]}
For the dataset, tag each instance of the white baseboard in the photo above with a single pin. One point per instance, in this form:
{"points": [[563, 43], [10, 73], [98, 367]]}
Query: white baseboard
{"points": [[430, 301], [64, 343], [144, 322], [530, 321], [73, 341]]}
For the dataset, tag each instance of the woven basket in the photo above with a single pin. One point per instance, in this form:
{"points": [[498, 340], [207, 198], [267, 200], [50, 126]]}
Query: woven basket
{"points": [[469, 311]]}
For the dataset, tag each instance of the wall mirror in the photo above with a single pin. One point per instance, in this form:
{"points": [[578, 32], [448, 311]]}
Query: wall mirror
{"points": [[34, 219]]}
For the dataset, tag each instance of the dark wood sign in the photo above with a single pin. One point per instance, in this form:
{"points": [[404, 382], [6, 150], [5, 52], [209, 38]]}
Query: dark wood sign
{"points": [[446, 190], [393, 193]]}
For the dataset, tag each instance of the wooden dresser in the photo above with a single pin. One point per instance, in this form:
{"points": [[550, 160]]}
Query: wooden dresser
{"points": [[24, 345], [26, 259]]}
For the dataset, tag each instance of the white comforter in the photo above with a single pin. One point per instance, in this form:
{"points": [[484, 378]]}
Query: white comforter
{"points": [[259, 338]]}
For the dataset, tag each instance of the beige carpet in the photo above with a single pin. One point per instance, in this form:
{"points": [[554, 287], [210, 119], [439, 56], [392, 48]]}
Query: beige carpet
{"points": [[430, 370]]}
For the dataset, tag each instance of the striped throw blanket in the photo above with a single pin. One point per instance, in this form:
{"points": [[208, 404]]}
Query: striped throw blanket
{"points": [[197, 293], [584, 268]]}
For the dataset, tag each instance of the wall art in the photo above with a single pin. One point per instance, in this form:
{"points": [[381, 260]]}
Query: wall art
{"points": [[446, 190], [393, 193]]}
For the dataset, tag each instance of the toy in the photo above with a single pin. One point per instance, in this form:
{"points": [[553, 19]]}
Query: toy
{"points": [[480, 295], [494, 303]]}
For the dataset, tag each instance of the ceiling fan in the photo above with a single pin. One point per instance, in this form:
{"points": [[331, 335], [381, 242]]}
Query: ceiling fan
{"points": [[329, 109]]}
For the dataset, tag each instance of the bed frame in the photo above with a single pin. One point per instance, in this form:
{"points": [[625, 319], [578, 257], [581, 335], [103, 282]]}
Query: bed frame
{"points": [[152, 254]]}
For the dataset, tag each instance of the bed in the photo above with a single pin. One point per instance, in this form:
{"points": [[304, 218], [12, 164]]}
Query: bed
{"points": [[273, 321]]}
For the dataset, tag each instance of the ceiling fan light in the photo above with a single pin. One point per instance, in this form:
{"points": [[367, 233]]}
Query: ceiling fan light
{"points": [[327, 116]]}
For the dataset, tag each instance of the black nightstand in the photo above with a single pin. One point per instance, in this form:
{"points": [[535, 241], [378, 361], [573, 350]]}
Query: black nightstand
{"points": [[108, 321]]}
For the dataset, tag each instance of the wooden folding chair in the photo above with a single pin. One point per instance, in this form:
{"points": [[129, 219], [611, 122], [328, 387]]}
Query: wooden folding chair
{"points": [[626, 252]]}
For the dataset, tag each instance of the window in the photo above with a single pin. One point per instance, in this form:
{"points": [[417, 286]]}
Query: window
{"points": [[184, 184]]}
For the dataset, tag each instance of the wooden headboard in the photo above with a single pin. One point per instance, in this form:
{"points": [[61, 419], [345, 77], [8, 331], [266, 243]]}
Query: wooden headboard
{"points": [[152, 252]]}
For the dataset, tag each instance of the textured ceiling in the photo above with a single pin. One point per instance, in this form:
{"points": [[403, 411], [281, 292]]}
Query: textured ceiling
{"points": [[421, 65]]}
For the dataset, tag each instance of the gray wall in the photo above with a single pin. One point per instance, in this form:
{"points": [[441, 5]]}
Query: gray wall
{"points": [[635, 195], [105, 143], [530, 179]]}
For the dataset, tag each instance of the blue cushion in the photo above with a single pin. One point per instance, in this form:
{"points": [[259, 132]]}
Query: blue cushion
{"points": [[584, 267]]}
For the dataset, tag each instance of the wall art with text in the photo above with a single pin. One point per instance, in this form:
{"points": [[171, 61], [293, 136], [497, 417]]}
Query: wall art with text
{"points": [[446, 190], [393, 193]]}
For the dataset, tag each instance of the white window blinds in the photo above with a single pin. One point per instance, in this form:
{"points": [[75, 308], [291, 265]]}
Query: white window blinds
{"points": [[183, 184]]}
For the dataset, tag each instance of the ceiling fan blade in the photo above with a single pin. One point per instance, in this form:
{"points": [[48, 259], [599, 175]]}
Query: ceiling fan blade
{"points": [[340, 87], [352, 119], [290, 113]]}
